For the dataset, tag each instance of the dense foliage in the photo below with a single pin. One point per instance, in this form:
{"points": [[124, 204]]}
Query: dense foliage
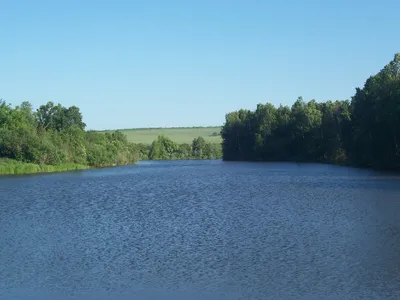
{"points": [[55, 135], [363, 132], [164, 148]]}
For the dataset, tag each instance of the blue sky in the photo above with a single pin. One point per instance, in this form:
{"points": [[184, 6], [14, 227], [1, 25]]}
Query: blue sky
{"points": [[187, 63]]}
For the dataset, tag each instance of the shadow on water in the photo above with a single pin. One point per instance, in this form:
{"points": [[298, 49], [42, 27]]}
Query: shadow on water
{"points": [[320, 176]]}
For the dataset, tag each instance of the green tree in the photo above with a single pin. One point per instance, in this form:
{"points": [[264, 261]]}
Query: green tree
{"points": [[57, 117], [163, 148], [363, 132], [185, 151], [55, 135], [376, 119], [198, 146]]}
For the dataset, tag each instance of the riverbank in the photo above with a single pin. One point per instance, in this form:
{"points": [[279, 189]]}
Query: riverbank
{"points": [[15, 167]]}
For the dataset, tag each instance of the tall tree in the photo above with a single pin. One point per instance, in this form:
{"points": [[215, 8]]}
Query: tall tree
{"points": [[363, 132], [57, 117]]}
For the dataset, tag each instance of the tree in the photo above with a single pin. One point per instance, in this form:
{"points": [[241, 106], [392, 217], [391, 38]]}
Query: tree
{"points": [[198, 147], [363, 132], [57, 117], [163, 148], [55, 135], [376, 118]]}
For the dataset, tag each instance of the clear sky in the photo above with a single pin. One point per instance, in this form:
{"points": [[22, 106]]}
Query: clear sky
{"points": [[187, 63]]}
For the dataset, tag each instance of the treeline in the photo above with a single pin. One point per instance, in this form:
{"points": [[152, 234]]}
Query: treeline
{"points": [[55, 135], [163, 148], [362, 132]]}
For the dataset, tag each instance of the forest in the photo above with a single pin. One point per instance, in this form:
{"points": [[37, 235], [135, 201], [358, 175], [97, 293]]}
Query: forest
{"points": [[53, 138], [362, 132]]}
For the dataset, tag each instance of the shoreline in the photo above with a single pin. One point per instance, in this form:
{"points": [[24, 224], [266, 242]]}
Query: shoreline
{"points": [[395, 169], [11, 167]]}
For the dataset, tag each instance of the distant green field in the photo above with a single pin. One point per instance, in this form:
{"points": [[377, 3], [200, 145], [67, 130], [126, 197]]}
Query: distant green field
{"points": [[179, 135]]}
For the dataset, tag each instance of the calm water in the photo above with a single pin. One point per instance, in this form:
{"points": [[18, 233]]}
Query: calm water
{"points": [[201, 230]]}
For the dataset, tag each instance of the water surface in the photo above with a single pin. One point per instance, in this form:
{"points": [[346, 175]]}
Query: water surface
{"points": [[201, 230]]}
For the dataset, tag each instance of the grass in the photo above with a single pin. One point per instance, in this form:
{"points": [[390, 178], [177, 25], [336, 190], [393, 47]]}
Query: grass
{"points": [[14, 167], [179, 134]]}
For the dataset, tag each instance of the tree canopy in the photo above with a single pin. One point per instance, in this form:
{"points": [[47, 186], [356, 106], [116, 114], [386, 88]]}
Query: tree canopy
{"points": [[55, 135], [163, 148], [363, 132]]}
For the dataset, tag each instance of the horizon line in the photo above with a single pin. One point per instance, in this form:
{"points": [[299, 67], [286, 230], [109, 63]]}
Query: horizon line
{"points": [[173, 127]]}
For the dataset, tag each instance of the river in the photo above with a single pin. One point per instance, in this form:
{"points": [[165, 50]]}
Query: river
{"points": [[201, 230]]}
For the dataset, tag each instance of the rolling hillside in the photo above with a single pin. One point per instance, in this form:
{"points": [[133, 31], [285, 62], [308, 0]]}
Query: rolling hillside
{"points": [[179, 134]]}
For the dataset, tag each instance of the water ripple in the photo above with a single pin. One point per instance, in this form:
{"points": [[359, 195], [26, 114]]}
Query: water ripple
{"points": [[201, 230]]}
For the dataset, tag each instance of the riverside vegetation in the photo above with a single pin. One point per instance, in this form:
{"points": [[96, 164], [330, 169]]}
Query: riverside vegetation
{"points": [[53, 138], [363, 132]]}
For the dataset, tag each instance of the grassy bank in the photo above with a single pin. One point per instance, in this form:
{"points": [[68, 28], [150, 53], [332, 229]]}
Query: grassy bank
{"points": [[179, 135], [14, 167]]}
